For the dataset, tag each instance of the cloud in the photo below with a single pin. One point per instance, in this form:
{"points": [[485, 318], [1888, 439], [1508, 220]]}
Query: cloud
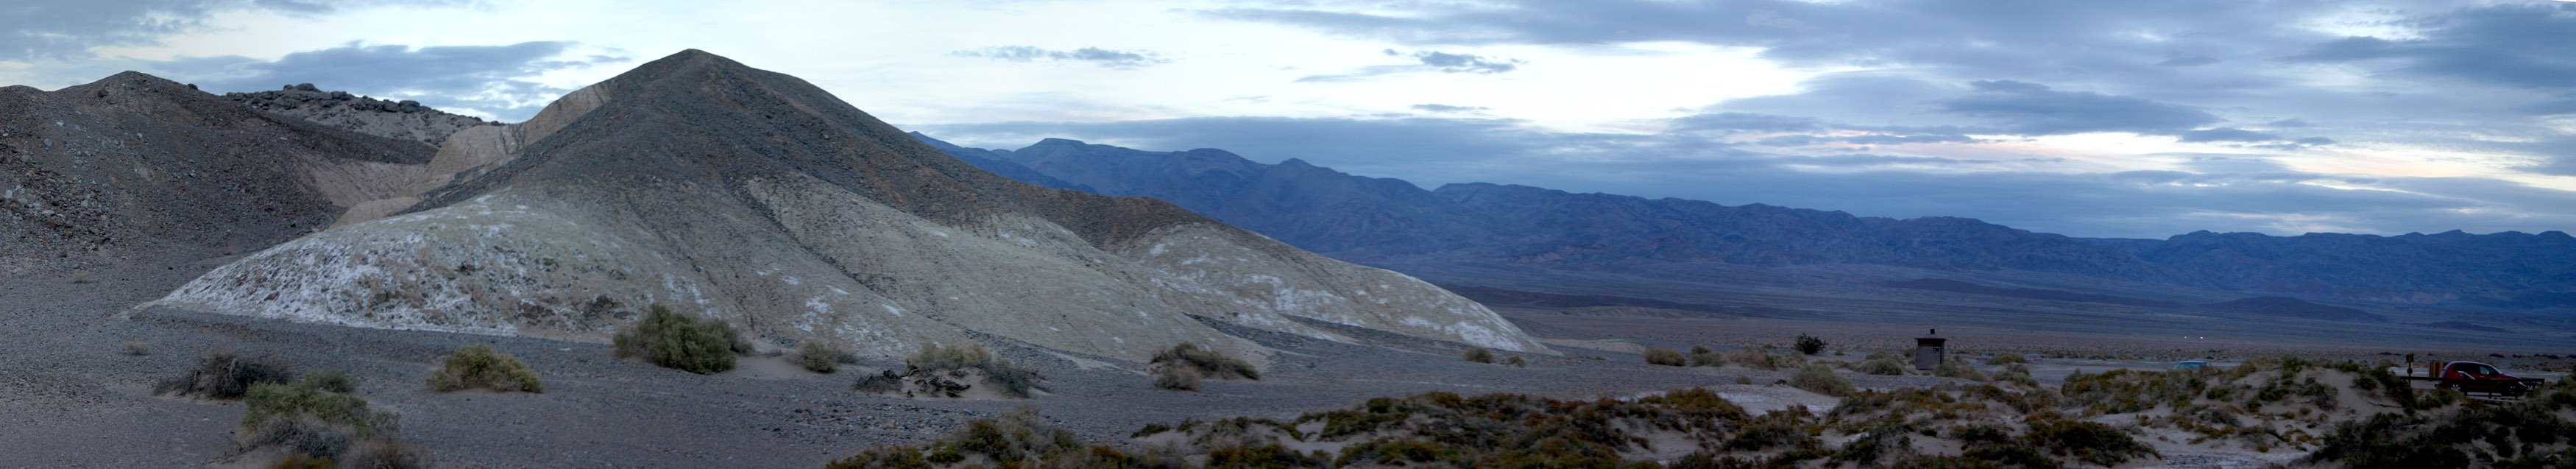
{"points": [[2192, 61], [1742, 121], [1116, 59], [2034, 109], [66, 30], [1463, 63], [1424, 62], [489, 80], [2227, 134], [1444, 108], [2520, 45]]}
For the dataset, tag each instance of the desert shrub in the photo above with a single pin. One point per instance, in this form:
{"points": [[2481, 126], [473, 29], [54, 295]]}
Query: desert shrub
{"points": [[1752, 357], [1702, 356], [1743, 380], [2005, 358], [137, 348], [818, 357], [1176, 378], [306, 399], [222, 375], [384, 452], [2092, 443], [1479, 355], [1808, 344], [1821, 379], [1957, 368], [930, 368], [334, 380], [671, 340], [2017, 374], [1665, 357], [1264, 456], [1218, 365], [1882, 363], [478, 366], [1016, 439], [1517, 361]]}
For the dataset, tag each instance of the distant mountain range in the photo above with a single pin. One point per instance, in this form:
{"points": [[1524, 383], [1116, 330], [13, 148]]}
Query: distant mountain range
{"points": [[1384, 222]]}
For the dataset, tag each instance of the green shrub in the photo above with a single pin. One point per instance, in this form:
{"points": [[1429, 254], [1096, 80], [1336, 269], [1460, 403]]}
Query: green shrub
{"points": [[671, 340], [1517, 361], [1702, 356], [1217, 365], [1665, 357], [1016, 439], [1752, 357], [818, 357], [1821, 379], [1479, 355], [222, 375], [1808, 344], [1743, 379], [478, 366], [2006, 358], [137, 348]]}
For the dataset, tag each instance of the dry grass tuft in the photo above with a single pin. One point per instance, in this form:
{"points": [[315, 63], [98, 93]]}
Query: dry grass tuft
{"points": [[478, 366]]}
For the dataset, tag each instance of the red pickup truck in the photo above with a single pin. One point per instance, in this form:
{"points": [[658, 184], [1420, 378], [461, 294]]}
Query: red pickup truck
{"points": [[2474, 377]]}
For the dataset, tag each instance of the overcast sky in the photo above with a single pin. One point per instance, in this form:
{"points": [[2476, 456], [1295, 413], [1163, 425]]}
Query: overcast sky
{"points": [[2112, 118]]}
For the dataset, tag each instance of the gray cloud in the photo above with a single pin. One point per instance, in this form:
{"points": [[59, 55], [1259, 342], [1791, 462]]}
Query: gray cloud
{"points": [[2243, 192], [2522, 45], [2227, 134], [2452, 73], [1428, 107], [2034, 109], [63, 30], [487, 79], [1424, 62], [1116, 59], [1746, 122]]}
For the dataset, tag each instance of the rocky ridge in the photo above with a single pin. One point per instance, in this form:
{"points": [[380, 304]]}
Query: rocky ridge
{"points": [[1392, 222], [406, 120]]}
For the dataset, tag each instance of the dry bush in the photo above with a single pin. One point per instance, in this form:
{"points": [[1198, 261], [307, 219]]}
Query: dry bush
{"points": [[671, 340], [1665, 357], [2006, 358], [1958, 368], [1479, 355], [137, 348], [819, 357], [1821, 379], [1882, 363], [222, 375], [1212, 364], [1517, 361], [1176, 378], [931, 368], [478, 366], [1016, 439]]}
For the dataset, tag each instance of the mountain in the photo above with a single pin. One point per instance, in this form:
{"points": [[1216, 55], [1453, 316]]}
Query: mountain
{"points": [[756, 197], [1391, 222], [134, 166]]}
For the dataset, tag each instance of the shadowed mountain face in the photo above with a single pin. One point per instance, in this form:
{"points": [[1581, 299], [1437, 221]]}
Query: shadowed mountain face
{"points": [[134, 165], [756, 197], [1390, 222]]}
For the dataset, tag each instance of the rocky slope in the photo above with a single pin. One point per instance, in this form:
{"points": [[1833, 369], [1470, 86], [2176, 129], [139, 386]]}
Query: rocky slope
{"points": [[406, 120], [1391, 222], [756, 197], [137, 166]]}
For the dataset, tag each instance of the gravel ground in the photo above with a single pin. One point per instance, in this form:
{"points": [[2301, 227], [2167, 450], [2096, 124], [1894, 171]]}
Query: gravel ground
{"points": [[72, 396]]}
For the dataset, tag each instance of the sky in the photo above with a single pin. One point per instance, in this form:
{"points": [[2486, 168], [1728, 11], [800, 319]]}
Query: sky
{"points": [[2140, 119]]}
